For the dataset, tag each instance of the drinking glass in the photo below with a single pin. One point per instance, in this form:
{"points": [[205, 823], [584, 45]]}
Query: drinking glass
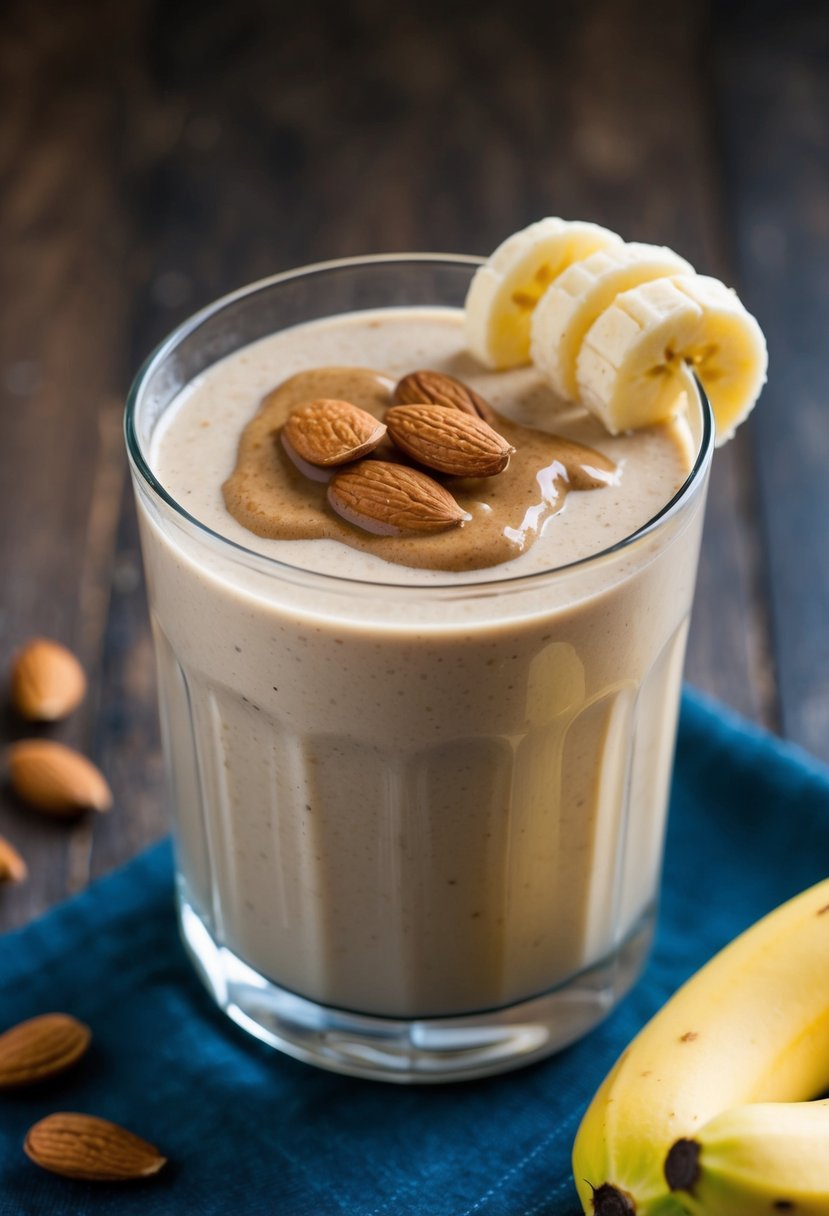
{"points": [[418, 827]]}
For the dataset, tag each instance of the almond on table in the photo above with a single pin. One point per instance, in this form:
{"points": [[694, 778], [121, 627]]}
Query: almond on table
{"points": [[12, 866], [47, 681], [56, 779], [95, 1150], [41, 1047]]}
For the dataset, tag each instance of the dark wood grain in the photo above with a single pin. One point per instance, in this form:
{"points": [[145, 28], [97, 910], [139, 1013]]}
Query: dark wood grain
{"points": [[153, 156], [773, 90], [63, 358]]}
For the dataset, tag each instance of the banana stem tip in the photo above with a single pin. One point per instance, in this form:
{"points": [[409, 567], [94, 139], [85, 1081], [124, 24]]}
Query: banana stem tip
{"points": [[682, 1165], [608, 1200]]}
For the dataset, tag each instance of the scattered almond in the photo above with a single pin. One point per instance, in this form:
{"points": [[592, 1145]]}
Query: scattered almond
{"points": [[12, 866], [84, 1146], [331, 432], [448, 441], [436, 388], [56, 779], [388, 499], [41, 1047], [47, 681]]}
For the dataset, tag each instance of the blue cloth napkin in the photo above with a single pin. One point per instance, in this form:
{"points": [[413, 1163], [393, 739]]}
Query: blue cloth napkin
{"points": [[250, 1132]]}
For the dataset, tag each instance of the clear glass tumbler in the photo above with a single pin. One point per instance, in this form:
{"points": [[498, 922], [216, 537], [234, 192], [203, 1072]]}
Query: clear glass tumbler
{"points": [[489, 893]]}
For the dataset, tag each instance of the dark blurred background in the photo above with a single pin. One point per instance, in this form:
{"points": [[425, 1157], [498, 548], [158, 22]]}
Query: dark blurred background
{"points": [[154, 155]]}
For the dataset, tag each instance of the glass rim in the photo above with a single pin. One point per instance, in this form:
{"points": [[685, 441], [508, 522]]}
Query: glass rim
{"points": [[240, 552]]}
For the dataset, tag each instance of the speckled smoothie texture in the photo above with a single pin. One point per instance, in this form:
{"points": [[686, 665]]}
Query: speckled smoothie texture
{"points": [[415, 792]]}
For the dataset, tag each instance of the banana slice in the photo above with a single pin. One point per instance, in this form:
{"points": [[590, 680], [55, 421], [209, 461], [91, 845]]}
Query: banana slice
{"points": [[580, 294], [505, 291], [633, 365]]}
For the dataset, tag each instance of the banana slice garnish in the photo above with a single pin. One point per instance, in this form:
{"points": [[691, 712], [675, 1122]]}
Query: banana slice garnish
{"points": [[632, 367], [580, 295], [620, 328], [504, 292]]}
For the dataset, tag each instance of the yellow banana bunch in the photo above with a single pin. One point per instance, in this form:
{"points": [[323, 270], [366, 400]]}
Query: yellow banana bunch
{"points": [[752, 1026]]}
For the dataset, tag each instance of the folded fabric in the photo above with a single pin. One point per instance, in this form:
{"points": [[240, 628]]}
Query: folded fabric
{"points": [[250, 1132]]}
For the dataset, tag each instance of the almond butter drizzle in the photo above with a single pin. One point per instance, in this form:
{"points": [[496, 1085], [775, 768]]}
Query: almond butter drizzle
{"points": [[269, 496]]}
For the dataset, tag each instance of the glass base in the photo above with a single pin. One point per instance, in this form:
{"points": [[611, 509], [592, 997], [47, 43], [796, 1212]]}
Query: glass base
{"points": [[425, 1050]]}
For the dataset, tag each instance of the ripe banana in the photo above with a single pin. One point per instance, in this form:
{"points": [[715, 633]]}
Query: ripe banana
{"points": [[756, 1160], [506, 289], [631, 369], [750, 1026], [580, 294]]}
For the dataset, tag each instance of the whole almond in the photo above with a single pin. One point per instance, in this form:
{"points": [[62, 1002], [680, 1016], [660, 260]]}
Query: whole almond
{"points": [[436, 388], [314, 472], [47, 681], [41, 1047], [84, 1146], [448, 441], [56, 779], [12, 866], [390, 499], [332, 432]]}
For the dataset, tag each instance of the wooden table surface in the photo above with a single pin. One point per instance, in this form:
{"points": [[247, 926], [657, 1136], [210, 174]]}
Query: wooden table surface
{"points": [[154, 156]]}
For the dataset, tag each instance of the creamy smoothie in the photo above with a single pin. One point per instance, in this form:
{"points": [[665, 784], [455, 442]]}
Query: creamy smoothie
{"points": [[402, 788]]}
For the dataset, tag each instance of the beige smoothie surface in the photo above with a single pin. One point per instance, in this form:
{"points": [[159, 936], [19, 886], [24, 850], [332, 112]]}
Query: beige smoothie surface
{"points": [[195, 449]]}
